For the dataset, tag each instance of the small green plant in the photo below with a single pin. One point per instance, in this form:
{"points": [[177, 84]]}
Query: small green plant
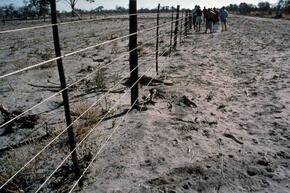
{"points": [[190, 127], [210, 96], [93, 34], [47, 54], [108, 108], [100, 80], [167, 52], [115, 48]]}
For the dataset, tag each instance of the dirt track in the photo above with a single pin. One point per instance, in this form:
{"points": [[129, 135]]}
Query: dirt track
{"points": [[235, 140], [219, 124]]}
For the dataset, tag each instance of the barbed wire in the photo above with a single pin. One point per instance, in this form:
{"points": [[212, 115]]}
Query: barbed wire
{"points": [[103, 96], [82, 50]]}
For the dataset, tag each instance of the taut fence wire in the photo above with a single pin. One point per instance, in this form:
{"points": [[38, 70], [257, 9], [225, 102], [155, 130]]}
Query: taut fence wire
{"points": [[166, 25]]}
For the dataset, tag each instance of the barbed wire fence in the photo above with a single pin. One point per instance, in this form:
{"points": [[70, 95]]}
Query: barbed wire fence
{"points": [[181, 28]]}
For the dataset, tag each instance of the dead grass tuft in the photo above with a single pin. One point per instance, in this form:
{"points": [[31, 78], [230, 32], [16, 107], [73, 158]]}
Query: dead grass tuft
{"points": [[27, 180]]}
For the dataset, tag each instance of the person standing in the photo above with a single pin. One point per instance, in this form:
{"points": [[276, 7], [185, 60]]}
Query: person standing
{"points": [[194, 15], [198, 19], [216, 20], [203, 12], [209, 20], [224, 16]]}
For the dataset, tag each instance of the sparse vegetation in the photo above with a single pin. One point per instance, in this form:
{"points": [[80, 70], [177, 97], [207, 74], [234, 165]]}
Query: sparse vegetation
{"points": [[166, 51], [100, 79], [210, 96], [188, 127], [115, 48]]}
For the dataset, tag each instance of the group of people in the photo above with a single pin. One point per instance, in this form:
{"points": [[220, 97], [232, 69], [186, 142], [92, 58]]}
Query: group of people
{"points": [[211, 18]]}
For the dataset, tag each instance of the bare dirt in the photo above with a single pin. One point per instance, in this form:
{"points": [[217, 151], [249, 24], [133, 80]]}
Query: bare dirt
{"points": [[219, 121]]}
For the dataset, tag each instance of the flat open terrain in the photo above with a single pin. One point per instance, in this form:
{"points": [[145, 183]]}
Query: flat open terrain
{"points": [[219, 121]]}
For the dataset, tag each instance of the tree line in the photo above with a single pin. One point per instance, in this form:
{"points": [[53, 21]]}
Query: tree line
{"points": [[41, 8], [282, 6]]}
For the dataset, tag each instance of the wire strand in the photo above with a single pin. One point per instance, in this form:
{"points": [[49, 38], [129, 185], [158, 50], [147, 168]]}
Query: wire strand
{"points": [[63, 23], [62, 131], [34, 157], [42, 185], [71, 22], [110, 136], [59, 92], [47, 179], [81, 50]]}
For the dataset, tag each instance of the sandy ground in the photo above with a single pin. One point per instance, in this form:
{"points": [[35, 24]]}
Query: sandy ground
{"points": [[219, 122]]}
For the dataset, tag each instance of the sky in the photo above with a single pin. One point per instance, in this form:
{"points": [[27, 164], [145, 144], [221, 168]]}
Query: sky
{"points": [[111, 4]]}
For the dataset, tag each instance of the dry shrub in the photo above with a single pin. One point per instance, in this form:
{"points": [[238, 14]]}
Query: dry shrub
{"points": [[33, 174], [115, 48], [100, 79], [47, 54], [112, 36], [92, 116]]}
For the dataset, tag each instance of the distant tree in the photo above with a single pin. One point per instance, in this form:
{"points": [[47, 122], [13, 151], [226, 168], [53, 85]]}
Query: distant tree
{"points": [[99, 9], [252, 7], [244, 8], [120, 9], [164, 8], [264, 6], [43, 7], [144, 10], [284, 5], [72, 4], [24, 11], [233, 7], [9, 10], [38, 7], [2, 11]]}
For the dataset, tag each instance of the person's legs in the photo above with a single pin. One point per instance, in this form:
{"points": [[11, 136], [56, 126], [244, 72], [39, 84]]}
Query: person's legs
{"points": [[225, 23], [194, 22], [199, 26], [206, 25]]}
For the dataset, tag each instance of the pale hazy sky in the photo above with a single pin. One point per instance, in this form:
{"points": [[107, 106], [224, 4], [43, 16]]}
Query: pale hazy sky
{"points": [[111, 4]]}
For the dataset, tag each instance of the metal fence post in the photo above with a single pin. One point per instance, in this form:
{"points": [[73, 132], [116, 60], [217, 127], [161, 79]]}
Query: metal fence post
{"points": [[171, 31], [191, 19], [157, 39], [133, 54], [186, 23], [63, 86], [181, 25], [176, 27]]}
